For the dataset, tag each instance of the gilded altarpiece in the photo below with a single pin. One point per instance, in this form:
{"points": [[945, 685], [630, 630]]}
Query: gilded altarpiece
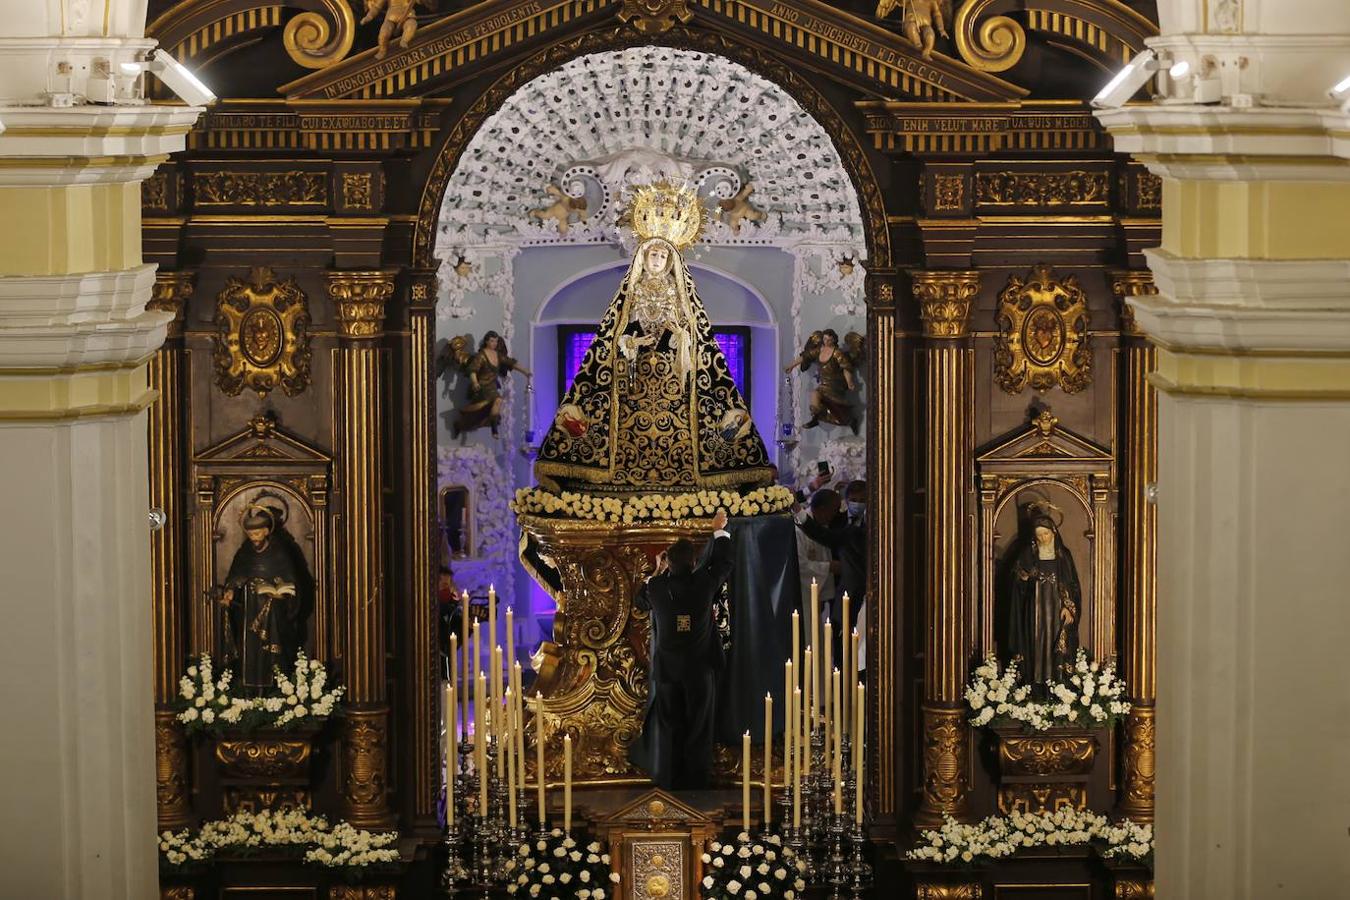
{"points": [[977, 166]]}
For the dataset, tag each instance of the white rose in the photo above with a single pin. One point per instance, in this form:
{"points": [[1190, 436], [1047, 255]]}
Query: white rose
{"points": [[201, 701], [208, 716]]}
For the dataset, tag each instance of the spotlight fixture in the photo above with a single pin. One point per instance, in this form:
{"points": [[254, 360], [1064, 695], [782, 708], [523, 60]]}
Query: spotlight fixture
{"points": [[1179, 69], [1340, 92], [1128, 81], [180, 79]]}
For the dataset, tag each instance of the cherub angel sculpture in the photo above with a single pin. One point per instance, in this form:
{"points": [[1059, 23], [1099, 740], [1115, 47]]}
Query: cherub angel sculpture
{"points": [[836, 376], [398, 17], [921, 21], [485, 369]]}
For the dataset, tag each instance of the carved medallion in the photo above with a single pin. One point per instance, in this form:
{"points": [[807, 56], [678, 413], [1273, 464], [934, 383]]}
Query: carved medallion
{"points": [[1043, 334], [655, 16], [262, 335]]}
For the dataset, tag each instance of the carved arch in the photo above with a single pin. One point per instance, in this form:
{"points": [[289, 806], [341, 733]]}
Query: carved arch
{"points": [[850, 150], [320, 34]]}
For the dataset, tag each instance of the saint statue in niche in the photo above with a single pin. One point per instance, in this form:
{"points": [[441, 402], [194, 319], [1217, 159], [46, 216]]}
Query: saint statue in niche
{"points": [[267, 598], [1043, 603], [485, 370], [653, 407], [836, 369]]}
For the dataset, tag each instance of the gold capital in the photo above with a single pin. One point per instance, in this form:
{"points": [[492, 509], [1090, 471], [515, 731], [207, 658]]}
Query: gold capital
{"points": [[945, 297], [1126, 283], [171, 293], [360, 298]]}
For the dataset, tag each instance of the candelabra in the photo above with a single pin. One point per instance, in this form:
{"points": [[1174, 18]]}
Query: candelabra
{"points": [[860, 873], [836, 868], [452, 871]]}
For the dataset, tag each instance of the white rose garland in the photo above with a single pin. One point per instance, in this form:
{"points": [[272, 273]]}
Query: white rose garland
{"points": [[337, 846], [651, 507]]}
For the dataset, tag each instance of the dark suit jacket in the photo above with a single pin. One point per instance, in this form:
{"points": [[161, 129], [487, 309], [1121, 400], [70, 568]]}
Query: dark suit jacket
{"points": [[684, 638], [849, 544]]}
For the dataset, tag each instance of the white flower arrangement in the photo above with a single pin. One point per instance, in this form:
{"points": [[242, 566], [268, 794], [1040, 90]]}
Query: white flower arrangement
{"points": [[999, 837], [651, 507], [205, 703], [1091, 697], [751, 869], [557, 867], [340, 846]]}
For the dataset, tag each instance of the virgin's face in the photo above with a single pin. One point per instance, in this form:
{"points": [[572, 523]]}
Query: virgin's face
{"points": [[1044, 536], [656, 259]]}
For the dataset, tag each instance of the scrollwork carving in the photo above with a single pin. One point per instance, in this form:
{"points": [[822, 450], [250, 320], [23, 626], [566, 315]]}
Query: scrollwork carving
{"points": [[651, 17], [966, 890], [1140, 763], [1046, 754], [317, 39], [171, 772], [262, 335], [256, 188], [1076, 188], [256, 757], [944, 763], [990, 43], [364, 749], [1043, 334]]}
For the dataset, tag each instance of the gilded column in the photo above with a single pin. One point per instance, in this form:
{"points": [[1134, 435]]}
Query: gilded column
{"points": [[946, 298], [166, 442], [421, 502], [1139, 548], [887, 502], [359, 298]]}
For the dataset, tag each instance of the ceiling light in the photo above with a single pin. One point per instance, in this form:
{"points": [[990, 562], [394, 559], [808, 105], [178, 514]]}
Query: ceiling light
{"points": [[180, 79]]}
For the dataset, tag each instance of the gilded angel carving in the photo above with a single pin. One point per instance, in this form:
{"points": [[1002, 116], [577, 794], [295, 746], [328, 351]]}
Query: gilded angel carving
{"points": [[484, 368], [739, 209], [561, 209], [398, 17], [920, 20], [836, 376]]}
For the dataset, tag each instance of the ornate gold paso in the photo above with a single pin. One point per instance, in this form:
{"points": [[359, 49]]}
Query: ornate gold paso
{"points": [[945, 298], [655, 16], [360, 299], [262, 335], [1076, 188], [259, 188], [316, 40], [594, 672], [1043, 334]]}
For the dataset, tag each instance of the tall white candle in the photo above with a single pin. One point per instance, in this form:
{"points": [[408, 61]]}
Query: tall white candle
{"points": [[509, 750], [859, 708], [808, 713], [450, 755], [789, 735], [745, 782], [828, 649], [768, 760], [567, 784], [539, 752], [797, 758], [838, 749], [813, 695], [480, 742], [846, 699], [796, 641]]}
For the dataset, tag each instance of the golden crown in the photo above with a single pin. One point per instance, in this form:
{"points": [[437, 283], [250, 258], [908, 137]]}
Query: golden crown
{"points": [[666, 210]]}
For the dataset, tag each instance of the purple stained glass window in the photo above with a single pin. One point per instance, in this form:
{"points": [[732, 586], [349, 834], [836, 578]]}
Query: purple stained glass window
{"points": [[735, 344]]}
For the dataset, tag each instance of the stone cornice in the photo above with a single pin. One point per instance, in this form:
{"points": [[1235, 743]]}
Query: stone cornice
{"points": [[1223, 143]]}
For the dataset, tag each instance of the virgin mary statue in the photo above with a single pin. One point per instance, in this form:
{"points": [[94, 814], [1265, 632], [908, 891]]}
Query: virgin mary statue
{"points": [[653, 408]]}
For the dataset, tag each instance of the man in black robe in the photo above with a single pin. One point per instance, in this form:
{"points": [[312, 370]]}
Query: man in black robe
{"points": [[267, 599], [686, 654]]}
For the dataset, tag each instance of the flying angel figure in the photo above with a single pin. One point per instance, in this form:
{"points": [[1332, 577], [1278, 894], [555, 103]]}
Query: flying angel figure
{"points": [[836, 377], [921, 20], [484, 368]]}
